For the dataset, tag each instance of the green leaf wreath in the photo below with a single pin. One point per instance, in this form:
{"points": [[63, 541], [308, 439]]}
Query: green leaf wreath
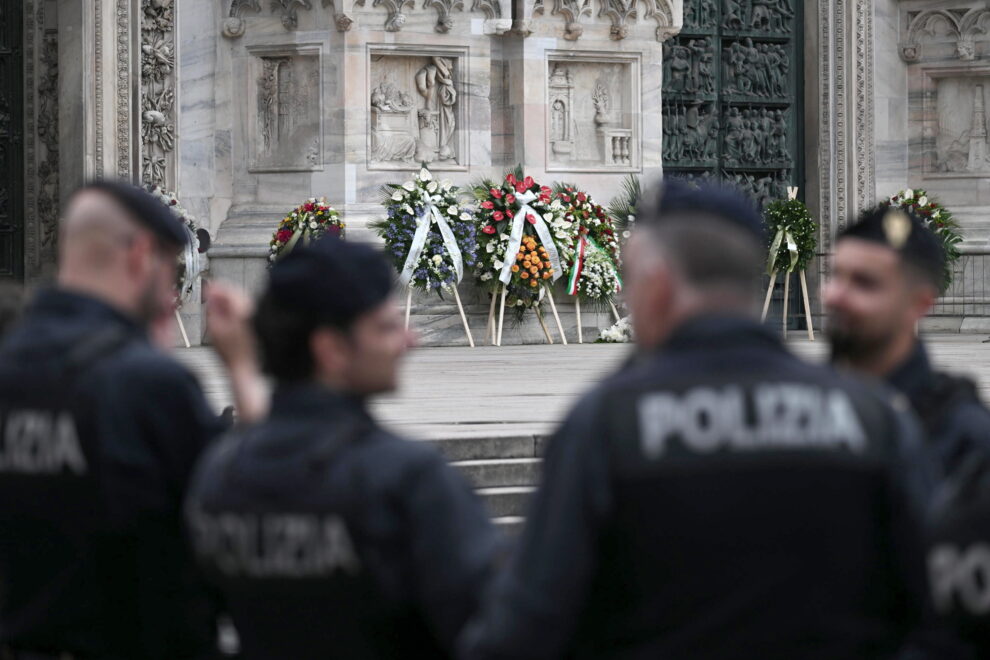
{"points": [[792, 235], [622, 208], [937, 218]]}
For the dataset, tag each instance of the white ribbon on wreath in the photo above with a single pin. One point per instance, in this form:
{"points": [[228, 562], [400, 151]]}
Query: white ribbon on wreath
{"points": [[515, 238], [424, 220]]}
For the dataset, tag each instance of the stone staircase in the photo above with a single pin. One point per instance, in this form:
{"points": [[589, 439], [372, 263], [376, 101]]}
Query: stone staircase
{"points": [[503, 469]]}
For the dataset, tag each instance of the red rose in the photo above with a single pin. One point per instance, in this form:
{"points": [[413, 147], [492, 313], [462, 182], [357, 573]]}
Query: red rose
{"points": [[582, 197], [283, 236], [489, 229], [510, 199], [488, 204], [308, 207], [530, 218], [499, 216], [496, 193], [566, 198], [528, 182], [510, 178]]}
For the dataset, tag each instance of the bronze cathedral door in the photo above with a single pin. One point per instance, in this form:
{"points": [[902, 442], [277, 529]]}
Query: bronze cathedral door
{"points": [[11, 141]]}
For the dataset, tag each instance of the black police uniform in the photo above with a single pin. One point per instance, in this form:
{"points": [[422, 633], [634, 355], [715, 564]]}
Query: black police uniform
{"points": [[959, 553], [955, 421], [99, 433], [722, 499], [332, 538]]}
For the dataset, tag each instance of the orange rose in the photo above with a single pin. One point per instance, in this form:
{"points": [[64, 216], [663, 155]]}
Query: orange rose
{"points": [[524, 275], [515, 269], [533, 283], [547, 275]]}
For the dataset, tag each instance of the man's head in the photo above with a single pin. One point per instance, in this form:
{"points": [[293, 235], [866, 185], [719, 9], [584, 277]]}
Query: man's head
{"points": [[885, 277], [696, 250], [328, 315], [120, 244]]}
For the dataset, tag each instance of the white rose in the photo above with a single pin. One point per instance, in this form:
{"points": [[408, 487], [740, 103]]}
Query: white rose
{"points": [[453, 210], [312, 225], [908, 194], [490, 247], [437, 259], [409, 185], [431, 187], [424, 174], [397, 196], [923, 200]]}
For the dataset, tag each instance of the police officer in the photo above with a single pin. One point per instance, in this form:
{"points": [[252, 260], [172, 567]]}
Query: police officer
{"points": [[721, 499], [99, 432], [329, 536], [885, 277]]}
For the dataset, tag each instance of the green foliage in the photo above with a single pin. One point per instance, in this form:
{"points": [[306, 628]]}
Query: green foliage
{"points": [[789, 217], [937, 218], [622, 208]]}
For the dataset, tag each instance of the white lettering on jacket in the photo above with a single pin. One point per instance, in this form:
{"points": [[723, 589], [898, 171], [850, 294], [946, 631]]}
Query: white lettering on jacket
{"points": [[275, 545], [710, 419], [40, 442], [962, 572]]}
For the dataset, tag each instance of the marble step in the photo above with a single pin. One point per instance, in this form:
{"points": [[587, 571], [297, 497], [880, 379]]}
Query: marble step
{"points": [[493, 473], [506, 501], [478, 449]]}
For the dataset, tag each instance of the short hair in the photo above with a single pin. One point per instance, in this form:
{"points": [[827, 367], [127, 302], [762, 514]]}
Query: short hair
{"points": [[712, 234], [711, 254], [283, 339]]}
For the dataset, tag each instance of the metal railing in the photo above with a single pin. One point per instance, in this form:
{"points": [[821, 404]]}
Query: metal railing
{"points": [[969, 293]]}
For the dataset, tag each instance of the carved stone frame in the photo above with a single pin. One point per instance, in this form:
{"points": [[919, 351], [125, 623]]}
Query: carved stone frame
{"points": [[307, 49], [461, 55], [923, 145], [631, 60]]}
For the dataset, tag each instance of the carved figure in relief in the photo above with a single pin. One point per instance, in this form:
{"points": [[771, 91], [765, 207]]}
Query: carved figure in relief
{"points": [[760, 19], [680, 69], [706, 13], [267, 99], [437, 123], [602, 102], [733, 15], [390, 138]]}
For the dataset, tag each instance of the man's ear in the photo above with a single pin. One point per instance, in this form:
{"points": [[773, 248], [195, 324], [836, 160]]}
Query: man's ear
{"points": [[331, 352]]}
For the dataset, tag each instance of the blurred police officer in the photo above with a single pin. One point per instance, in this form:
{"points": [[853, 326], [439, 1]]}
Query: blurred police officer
{"points": [[885, 277], [99, 432], [329, 536], [722, 499]]}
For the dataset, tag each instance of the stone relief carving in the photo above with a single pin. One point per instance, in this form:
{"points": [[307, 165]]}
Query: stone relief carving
{"points": [[623, 12], [287, 132], [690, 132], [395, 18], [572, 11], [414, 109], [561, 102], [233, 25], [756, 69], [588, 115], [758, 15], [158, 93], [288, 11], [123, 34], [341, 19], [945, 33], [688, 66], [756, 137], [961, 143], [444, 8], [491, 8]]}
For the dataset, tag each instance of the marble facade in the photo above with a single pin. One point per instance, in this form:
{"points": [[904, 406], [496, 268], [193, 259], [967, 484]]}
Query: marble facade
{"points": [[245, 107]]}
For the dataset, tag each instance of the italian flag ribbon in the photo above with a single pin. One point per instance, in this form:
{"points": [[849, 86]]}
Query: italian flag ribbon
{"points": [[586, 246]]}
